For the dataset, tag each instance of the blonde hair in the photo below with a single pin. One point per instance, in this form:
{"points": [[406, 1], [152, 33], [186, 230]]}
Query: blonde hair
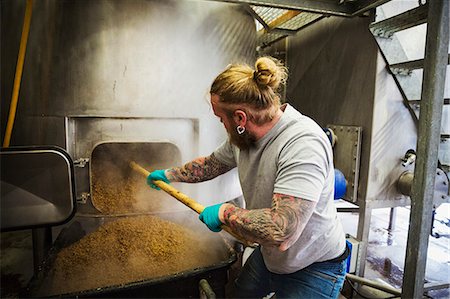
{"points": [[256, 89]]}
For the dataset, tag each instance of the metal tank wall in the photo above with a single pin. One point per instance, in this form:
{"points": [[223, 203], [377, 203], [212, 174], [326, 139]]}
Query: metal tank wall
{"points": [[128, 60], [337, 76]]}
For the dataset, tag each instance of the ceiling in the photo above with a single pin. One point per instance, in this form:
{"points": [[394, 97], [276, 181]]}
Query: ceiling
{"points": [[281, 18]]}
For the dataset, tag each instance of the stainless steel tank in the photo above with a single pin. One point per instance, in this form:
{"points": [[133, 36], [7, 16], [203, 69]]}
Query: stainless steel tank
{"points": [[124, 72], [128, 71]]}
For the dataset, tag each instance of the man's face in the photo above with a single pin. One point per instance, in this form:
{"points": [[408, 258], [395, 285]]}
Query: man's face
{"points": [[243, 141]]}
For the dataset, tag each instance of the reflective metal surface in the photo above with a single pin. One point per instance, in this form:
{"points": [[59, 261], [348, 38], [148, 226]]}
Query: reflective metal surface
{"points": [[37, 188], [137, 71]]}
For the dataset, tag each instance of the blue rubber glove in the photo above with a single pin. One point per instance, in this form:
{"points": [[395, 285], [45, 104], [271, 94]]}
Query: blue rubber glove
{"points": [[210, 217], [157, 175]]}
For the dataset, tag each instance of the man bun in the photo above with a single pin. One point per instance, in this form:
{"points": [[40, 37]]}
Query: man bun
{"points": [[240, 86], [269, 72]]}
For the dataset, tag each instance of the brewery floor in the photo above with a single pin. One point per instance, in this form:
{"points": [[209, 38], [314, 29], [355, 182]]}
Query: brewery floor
{"points": [[385, 256], [387, 248]]}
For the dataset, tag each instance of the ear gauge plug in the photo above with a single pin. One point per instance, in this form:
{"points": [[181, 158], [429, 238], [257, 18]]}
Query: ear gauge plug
{"points": [[240, 130]]}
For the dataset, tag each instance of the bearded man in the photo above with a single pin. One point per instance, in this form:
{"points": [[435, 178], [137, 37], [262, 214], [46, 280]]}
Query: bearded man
{"points": [[285, 167]]}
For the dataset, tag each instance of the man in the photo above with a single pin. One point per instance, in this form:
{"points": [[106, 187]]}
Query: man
{"points": [[285, 167]]}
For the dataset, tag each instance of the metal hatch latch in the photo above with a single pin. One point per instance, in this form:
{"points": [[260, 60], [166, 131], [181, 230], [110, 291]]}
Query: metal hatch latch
{"points": [[81, 162]]}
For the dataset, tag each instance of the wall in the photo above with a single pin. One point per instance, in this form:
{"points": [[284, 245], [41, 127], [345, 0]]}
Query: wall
{"points": [[332, 66], [338, 76], [123, 59]]}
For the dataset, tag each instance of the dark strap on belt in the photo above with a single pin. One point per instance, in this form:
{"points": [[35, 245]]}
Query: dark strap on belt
{"points": [[343, 256]]}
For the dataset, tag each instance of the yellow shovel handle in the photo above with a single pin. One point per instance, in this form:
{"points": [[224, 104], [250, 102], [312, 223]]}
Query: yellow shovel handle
{"points": [[191, 203]]}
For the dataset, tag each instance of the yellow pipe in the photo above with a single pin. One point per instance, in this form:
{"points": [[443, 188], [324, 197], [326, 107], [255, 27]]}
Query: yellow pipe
{"points": [[19, 70]]}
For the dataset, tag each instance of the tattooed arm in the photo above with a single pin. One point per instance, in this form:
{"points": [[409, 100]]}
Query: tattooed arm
{"points": [[198, 170], [281, 225]]}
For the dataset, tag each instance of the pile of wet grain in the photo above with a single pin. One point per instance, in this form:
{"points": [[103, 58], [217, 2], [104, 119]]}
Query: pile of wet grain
{"points": [[117, 189], [127, 250], [115, 194]]}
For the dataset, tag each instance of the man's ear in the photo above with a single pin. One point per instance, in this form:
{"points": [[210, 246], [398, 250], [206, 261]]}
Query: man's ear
{"points": [[240, 117]]}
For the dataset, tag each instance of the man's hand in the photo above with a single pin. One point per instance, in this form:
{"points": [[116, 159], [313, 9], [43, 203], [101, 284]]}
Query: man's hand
{"points": [[157, 175], [210, 217]]}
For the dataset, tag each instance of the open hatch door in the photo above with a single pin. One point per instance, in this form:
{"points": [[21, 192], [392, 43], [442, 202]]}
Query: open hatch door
{"points": [[37, 187]]}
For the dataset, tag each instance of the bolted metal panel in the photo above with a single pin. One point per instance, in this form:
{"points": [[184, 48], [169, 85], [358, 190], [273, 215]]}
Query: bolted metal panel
{"points": [[347, 154]]}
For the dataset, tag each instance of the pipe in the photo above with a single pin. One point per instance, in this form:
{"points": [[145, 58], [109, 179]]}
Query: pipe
{"points": [[374, 284], [42, 241], [404, 183], [206, 292], [19, 70]]}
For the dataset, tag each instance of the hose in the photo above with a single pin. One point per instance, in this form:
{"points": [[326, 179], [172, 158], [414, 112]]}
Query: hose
{"points": [[19, 70]]}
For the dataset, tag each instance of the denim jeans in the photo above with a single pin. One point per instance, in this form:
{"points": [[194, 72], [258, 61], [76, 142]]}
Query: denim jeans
{"points": [[319, 280]]}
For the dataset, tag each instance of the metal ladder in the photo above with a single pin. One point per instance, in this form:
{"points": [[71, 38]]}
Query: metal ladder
{"points": [[402, 72], [425, 101]]}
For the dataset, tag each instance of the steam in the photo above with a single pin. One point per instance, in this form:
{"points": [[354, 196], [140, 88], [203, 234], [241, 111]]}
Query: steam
{"points": [[112, 160]]}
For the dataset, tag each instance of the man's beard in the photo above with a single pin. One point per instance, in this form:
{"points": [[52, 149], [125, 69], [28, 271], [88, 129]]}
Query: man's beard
{"points": [[243, 141]]}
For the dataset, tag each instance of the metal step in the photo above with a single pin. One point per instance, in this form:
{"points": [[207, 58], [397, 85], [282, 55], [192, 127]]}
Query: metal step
{"points": [[405, 68], [417, 102], [414, 17]]}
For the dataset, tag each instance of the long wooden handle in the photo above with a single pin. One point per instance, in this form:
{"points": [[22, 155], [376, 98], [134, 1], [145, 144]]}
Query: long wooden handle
{"points": [[191, 203]]}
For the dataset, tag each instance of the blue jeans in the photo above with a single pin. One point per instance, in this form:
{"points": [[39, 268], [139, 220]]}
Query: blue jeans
{"points": [[319, 280]]}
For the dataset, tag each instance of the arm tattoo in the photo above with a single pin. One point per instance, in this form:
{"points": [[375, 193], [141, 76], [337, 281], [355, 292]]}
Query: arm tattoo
{"points": [[281, 225], [198, 170]]}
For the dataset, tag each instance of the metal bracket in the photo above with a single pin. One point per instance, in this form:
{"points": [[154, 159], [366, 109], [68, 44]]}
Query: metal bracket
{"points": [[81, 162], [83, 198]]}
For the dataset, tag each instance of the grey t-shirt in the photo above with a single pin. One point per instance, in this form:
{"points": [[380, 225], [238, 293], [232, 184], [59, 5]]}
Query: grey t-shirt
{"points": [[294, 158]]}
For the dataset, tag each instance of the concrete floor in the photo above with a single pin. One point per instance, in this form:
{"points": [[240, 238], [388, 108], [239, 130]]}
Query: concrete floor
{"points": [[385, 258], [387, 249]]}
